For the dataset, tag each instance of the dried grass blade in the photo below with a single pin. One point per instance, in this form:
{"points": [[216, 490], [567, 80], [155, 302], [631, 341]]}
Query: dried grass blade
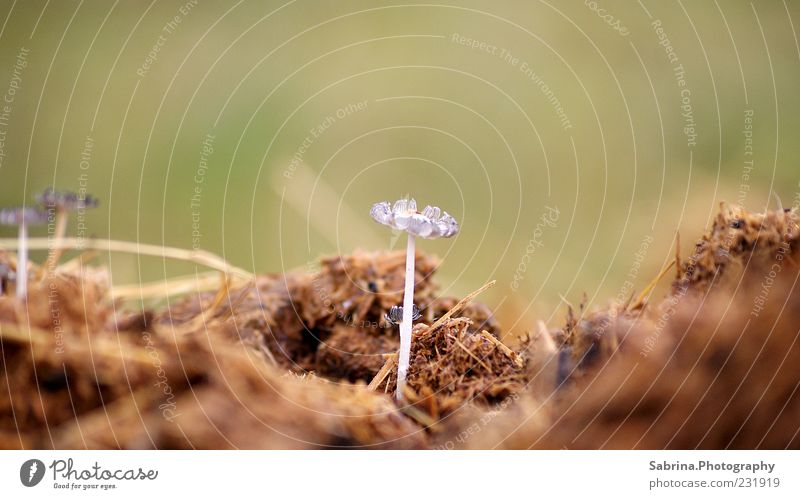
{"points": [[640, 300], [479, 361], [459, 306], [503, 348], [391, 362], [200, 257]]}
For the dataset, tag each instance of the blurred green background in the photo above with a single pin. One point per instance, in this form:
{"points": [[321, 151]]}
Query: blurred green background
{"points": [[263, 131]]}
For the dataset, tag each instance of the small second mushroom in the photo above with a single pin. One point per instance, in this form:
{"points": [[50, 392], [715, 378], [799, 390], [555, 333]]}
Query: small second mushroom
{"points": [[62, 203], [22, 217]]}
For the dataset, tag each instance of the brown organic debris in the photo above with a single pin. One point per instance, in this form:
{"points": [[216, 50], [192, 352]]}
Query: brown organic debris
{"points": [[306, 359], [454, 365], [738, 241]]}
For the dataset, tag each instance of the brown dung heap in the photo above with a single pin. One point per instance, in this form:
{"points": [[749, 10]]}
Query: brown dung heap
{"points": [[308, 360]]}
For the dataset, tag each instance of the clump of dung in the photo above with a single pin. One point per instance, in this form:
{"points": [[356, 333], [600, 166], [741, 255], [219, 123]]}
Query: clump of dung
{"points": [[143, 381], [453, 365], [737, 242], [330, 322], [705, 370]]}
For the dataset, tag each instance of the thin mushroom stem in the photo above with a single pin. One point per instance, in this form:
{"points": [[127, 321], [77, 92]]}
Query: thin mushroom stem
{"points": [[405, 326], [22, 261]]}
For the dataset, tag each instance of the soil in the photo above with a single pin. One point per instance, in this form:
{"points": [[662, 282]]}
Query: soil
{"points": [[307, 359]]}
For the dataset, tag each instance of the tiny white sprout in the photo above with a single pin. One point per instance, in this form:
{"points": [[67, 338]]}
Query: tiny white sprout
{"points": [[430, 223]]}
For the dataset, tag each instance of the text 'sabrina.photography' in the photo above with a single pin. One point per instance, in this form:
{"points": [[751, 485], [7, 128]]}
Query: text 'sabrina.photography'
{"points": [[370, 248]]}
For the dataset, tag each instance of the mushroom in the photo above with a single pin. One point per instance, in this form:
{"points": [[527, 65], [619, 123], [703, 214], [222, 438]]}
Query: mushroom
{"points": [[22, 217], [395, 315], [431, 223], [62, 203]]}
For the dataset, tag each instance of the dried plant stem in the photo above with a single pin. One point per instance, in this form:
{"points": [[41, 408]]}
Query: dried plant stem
{"points": [[198, 283], [405, 326], [474, 357], [391, 361], [76, 263], [234, 305], [503, 348], [55, 251], [197, 256], [458, 307], [642, 298]]}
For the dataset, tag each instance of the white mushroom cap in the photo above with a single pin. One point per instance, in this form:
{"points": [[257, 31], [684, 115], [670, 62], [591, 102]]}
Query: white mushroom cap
{"points": [[431, 223]]}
